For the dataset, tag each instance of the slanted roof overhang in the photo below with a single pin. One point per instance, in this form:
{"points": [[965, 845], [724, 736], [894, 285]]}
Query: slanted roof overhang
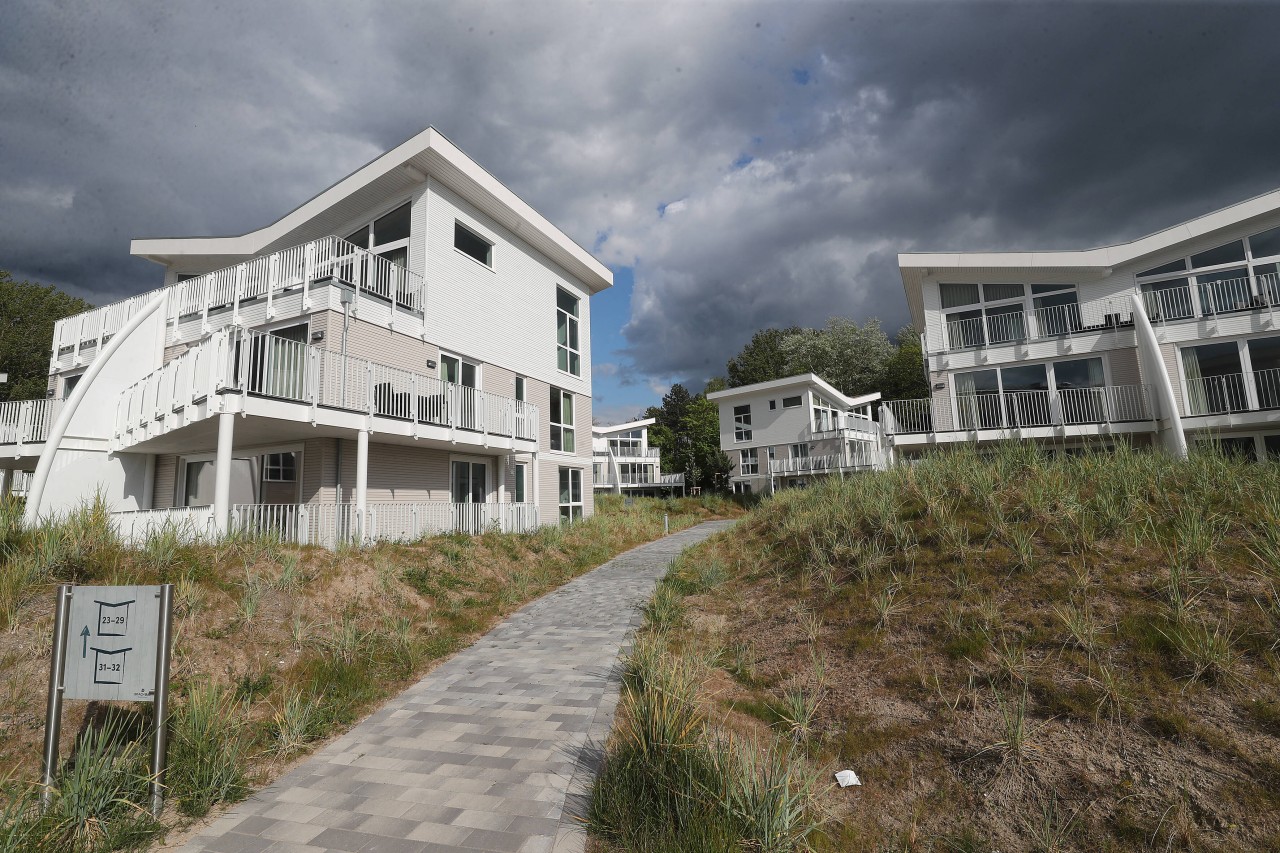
{"points": [[388, 176], [609, 430], [1088, 263], [804, 380]]}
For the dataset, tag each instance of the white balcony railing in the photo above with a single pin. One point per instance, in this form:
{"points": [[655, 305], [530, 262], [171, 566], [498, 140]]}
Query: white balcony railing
{"points": [[27, 421], [1023, 410], [187, 523], [857, 459], [1054, 321], [265, 365], [1257, 390], [1213, 298], [331, 524], [217, 298]]}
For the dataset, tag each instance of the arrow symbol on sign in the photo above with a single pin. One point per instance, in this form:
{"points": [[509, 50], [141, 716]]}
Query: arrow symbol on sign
{"points": [[84, 642]]}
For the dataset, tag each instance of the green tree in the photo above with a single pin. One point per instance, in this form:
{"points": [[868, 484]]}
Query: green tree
{"points": [[687, 430], [761, 359], [849, 356], [27, 313], [904, 376]]}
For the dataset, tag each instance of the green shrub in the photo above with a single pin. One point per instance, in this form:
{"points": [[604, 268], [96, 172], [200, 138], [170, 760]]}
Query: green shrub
{"points": [[207, 750]]}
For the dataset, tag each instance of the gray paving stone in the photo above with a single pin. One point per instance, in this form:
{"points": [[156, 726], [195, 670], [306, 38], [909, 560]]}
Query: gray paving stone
{"points": [[494, 751]]}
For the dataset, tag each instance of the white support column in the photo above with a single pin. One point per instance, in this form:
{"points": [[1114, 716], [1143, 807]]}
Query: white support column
{"points": [[222, 472], [362, 481]]}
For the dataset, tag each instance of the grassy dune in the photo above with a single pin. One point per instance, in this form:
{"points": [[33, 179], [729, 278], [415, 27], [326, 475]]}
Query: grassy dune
{"points": [[1014, 653], [276, 649]]}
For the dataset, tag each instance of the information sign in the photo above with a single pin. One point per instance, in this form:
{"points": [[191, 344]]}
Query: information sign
{"points": [[113, 635]]}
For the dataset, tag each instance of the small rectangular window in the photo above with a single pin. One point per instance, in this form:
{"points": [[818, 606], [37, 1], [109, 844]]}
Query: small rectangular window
{"points": [[392, 227], [1173, 266], [562, 437], [570, 494], [1228, 253], [279, 468], [519, 484], [954, 295], [520, 389], [995, 292], [1266, 244], [568, 352], [742, 423], [472, 244], [773, 404], [750, 461], [791, 402]]}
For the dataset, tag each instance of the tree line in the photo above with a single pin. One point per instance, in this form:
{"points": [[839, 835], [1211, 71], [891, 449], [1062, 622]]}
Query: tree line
{"points": [[855, 359], [27, 313]]}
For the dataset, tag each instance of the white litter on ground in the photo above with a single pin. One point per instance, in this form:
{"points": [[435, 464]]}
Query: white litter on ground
{"points": [[845, 778]]}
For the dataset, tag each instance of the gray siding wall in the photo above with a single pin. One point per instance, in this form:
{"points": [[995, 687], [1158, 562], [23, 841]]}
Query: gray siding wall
{"points": [[162, 494]]}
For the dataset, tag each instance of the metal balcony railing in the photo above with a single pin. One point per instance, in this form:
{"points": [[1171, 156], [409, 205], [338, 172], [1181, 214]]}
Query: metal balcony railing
{"points": [[1054, 321], [1213, 298], [1023, 409], [264, 365], [856, 459], [1256, 390], [27, 421], [216, 298]]}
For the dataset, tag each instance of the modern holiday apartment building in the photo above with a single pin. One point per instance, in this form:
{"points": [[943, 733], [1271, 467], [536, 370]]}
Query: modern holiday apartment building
{"points": [[1171, 338], [784, 432], [405, 353], [624, 463]]}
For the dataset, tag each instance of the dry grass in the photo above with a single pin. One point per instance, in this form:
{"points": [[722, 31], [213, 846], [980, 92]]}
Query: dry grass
{"points": [[251, 615], [1017, 653]]}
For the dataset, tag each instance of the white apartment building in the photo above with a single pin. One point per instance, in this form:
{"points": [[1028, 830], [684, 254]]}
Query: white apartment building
{"points": [[785, 432], [624, 463], [406, 353], [1171, 338]]}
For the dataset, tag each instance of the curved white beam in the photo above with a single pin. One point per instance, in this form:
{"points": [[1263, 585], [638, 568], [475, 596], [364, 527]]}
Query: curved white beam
{"points": [[1175, 440], [35, 494]]}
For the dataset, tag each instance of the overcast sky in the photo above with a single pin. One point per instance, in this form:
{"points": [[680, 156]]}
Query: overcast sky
{"points": [[737, 164]]}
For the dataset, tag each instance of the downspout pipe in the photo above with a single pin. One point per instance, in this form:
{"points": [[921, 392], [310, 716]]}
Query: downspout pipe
{"points": [[59, 429]]}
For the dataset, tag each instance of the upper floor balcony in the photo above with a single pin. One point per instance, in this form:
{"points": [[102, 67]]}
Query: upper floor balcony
{"points": [[865, 457], [835, 424], [1013, 325], [1067, 407], [256, 291], [1178, 300], [321, 383]]}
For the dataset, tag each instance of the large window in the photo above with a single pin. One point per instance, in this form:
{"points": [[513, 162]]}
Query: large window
{"points": [[635, 472], [749, 461], [568, 356], [626, 443], [458, 371], [792, 402], [570, 494], [825, 415], [387, 236], [472, 244], [1227, 278], [470, 482], [562, 421], [742, 423], [1215, 379]]}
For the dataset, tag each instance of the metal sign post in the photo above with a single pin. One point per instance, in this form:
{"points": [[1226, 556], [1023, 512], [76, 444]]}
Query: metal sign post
{"points": [[111, 643]]}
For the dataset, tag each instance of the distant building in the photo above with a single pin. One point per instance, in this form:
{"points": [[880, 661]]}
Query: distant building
{"points": [[785, 432], [624, 463]]}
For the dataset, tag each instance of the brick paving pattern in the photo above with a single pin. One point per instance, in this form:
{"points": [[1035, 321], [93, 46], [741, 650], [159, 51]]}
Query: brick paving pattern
{"points": [[492, 751]]}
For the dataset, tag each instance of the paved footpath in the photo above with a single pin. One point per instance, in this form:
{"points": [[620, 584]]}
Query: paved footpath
{"points": [[494, 750]]}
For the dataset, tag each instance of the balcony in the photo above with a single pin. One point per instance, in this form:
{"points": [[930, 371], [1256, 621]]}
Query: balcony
{"points": [[858, 459], [250, 291], [27, 421], [846, 425], [1021, 410], [328, 525], [1232, 393], [1213, 299], [265, 366], [1043, 323]]}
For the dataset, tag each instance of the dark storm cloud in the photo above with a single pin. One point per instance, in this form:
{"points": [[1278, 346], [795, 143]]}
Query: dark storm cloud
{"points": [[797, 147]]}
